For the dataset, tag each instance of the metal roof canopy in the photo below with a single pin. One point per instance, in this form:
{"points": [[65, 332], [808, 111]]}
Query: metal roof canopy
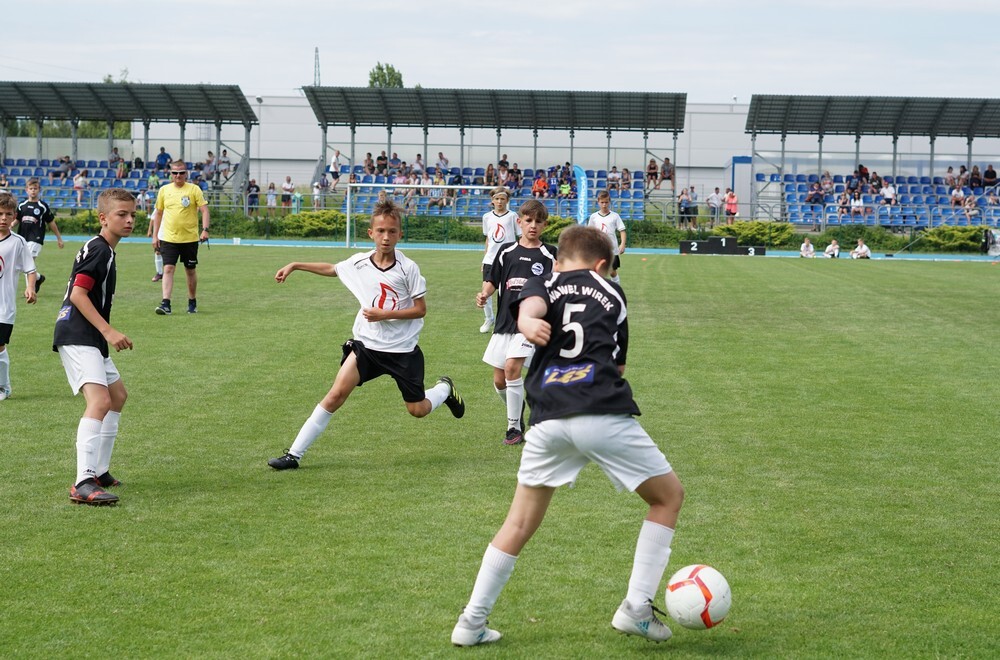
{"points": [[119, 102], [499, 109], [873, 115]]}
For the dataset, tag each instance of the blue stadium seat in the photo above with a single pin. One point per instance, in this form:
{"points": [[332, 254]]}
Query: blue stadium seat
{"points": [[760, 177], [924, 180], [838, 178], [912, 180], [21, 162], [32, 162]]}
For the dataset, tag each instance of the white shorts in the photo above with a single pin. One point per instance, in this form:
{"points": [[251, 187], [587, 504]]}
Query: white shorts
{"points": [[85, 364], [35, 249], [557, 449], [503, 347]]}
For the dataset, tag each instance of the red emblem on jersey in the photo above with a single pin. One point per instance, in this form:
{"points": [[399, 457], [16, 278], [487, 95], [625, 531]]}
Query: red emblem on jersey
{"points": [[1, 267], [389, 299], [499, 234]]}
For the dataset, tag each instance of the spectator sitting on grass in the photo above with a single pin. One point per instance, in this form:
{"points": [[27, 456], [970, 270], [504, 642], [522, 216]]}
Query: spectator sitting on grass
{"points": [[806, 250]]}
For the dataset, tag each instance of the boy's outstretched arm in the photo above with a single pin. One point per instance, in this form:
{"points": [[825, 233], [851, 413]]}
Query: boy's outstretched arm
{"points": [[531, 323], [327, 270]]}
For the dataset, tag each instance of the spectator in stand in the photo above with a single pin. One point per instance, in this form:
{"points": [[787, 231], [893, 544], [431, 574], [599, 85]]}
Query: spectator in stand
{"points": [[732, 206], [122, 169], [693, 195], [425, 180], [490, 178], [515, 175], [418, 166], [540, 188], [715, 204], [224, 164], [888, 193], [394, 164], [208, 170], [553, 182], [503, 162], [975, 178], [857, 204], [335, 170], [566, 171], [991, 197], [862, 173], [815, 194], [667, 174], [80, 184], [875, 183], [989, 177], [957, 195], [324, 189], [4, 183], [253, 197], [832, 250], [687, 220], [614, 178], [153, 181], [626, 179], [843, 204], [437, 196], [949, 177], [652, 174], [287, 188], [970, 207], [163, 160], [806, 250], [853, 183], [442, 162], [963, 176], [369, 165], [114, 157], [564, 188], [826, 184], [64, 170], [862, 251], [272, 199], [503, 175], [382, 163]]}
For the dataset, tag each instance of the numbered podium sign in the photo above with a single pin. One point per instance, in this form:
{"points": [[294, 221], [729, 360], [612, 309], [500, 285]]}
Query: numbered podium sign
{"points": [[719, 245]]}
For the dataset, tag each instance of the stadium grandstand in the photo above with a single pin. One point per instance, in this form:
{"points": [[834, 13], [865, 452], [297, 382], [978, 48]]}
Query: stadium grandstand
{"points": [[895, 200]]}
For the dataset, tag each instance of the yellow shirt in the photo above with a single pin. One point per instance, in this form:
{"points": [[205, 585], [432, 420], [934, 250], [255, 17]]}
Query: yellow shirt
{"points": [[179, 206]]}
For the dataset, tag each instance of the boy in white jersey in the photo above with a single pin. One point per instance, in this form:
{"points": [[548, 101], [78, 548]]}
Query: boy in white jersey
{"points": [[499, 227], [14, 256], [581, 411], [609, 222], [391, 292]]}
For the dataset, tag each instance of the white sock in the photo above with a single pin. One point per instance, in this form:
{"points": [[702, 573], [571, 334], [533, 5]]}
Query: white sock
{"points": [[88, 442], [502, 393], [158, 262], [488, 309], [109, 431], [515, 401], [493, 575], [4, 369], [437, 394], [316, 424], [652, 552]]}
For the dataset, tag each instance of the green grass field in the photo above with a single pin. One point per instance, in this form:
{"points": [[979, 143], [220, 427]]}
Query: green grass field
{"points": [[834, 424]]}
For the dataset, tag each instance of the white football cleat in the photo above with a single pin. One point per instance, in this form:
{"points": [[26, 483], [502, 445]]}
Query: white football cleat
{"points": [[466, 635], [486, 326], [4, 393], [641, 622]]}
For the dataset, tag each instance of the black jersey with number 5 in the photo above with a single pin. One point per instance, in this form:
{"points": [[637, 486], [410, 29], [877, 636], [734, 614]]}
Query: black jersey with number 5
{"points": [[577, 373], [95, 269]]}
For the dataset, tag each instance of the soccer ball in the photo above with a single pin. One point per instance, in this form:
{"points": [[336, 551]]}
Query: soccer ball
{"points": [[698, 597]]}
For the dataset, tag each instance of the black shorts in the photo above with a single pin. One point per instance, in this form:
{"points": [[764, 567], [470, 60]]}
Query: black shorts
{"points": [[617, 263], [407, 369], [286, 199], [334, 174], [487, 268], [186, 253], [5, 331]]}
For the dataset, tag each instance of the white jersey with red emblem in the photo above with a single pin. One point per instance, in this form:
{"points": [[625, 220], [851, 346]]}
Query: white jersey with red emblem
{"points": [[610, 224], [396, 287], [499, 229], [14, 258]]}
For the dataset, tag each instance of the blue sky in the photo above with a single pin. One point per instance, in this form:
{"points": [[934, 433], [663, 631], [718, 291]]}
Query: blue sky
{"points": [[714, 51]]}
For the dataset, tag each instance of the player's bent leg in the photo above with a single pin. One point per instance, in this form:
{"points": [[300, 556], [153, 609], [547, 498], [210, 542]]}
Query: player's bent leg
{"points": [[419, 408], [98, 398], [523, 519], [347, 379], [664, 494]]}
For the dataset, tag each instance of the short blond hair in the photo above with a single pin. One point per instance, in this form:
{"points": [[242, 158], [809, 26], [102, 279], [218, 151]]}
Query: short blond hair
{"points": [[107, 199]]}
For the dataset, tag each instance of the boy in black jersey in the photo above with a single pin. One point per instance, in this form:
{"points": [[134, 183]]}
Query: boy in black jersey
{"points": [[508, 351], [581, 411], [83, 336], [32, 217]]}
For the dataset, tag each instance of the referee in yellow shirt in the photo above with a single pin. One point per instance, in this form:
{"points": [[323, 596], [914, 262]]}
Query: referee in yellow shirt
{"points": [[175, 232]]}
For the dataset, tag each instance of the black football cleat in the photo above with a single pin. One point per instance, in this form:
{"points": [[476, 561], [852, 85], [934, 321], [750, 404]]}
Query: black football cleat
{"points": [[513, 437], [88, 492], [38, 282], [107, 481], [455, 402], [286, 462]]}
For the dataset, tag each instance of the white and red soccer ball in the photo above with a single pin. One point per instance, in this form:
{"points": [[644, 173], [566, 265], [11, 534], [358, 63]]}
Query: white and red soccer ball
{"points": [[698, 597]]}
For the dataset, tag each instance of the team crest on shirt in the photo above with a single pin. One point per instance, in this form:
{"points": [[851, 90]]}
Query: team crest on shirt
{"points": [[571, 375], [537, 268], [185, 201], [2, 269], [387, 298], [499, 234], [64, 313], [36, 211]]}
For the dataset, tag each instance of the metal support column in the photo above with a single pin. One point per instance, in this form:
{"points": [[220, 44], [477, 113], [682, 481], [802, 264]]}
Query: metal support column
{"points": [[930, 167], [968, 160], [3, 140], [245, 160], [895, 140], [354, 135], [218, 150], [74, 139], [145, 141], [753, 177], [427, 157], [608, 164], [461, 150], [324, 140], [183, 129], [572, 134], [645, 145], [38, 139], [674, 160], [498, 145], [534, 156], [819, 165], [111, 136], [388, 146], [857, 150], [781, 167]]}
